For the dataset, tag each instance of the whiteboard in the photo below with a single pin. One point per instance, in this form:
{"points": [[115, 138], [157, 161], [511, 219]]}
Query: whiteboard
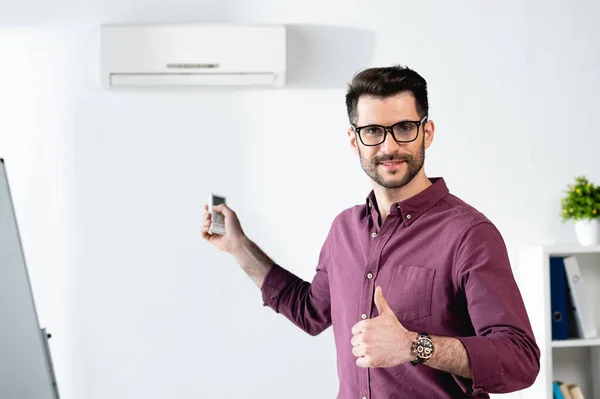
{"points": [[25, 365]]}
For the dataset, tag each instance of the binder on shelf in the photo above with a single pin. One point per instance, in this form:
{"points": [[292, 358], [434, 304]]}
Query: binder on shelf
{"points": [[573, 328], [584, 314], [558, 299], [556, 391], [575, 391], [562, 390]]}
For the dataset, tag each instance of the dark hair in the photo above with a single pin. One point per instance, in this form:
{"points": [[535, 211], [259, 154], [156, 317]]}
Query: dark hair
{"points": [[386, 82]]}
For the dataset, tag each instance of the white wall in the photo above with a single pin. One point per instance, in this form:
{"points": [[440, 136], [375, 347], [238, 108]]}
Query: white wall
{"points": [[35, 123], [110, 186]]}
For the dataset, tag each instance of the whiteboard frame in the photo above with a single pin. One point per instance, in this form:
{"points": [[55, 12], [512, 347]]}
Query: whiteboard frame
{"points": [[26, 369]]}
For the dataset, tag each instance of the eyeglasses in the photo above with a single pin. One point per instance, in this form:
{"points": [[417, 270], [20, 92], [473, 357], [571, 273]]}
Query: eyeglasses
{"points": [[402, 132]]}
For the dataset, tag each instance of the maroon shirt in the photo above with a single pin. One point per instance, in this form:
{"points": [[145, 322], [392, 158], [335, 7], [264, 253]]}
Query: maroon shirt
{"points": [[444, 270]]}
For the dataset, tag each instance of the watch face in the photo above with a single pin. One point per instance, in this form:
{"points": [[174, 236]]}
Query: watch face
{"points": [[424, 348]]}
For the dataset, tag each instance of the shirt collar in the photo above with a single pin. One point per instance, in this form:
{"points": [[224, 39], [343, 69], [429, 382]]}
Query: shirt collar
{"points": [[413, 207]]}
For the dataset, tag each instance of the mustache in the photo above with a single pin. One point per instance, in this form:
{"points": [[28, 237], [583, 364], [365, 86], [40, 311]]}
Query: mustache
{"points": [[392, 157]]}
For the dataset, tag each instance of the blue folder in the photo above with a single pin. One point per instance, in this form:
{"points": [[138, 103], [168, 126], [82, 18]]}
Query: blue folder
{"points": [[556, 392], [558, 299]]}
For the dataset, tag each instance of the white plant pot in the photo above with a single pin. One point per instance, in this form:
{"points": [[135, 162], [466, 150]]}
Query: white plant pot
{"points": [[588, 232]]}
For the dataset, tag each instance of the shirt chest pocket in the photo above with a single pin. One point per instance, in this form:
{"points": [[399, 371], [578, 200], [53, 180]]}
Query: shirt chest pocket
{"points": [[409, 292]]}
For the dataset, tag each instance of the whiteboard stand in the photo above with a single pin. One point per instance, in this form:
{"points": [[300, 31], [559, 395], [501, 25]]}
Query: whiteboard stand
{"points": [[45, 338], [26, 370]]}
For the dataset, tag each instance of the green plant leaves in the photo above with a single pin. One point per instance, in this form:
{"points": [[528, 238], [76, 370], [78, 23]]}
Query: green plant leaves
{"points": [[581, 200]]}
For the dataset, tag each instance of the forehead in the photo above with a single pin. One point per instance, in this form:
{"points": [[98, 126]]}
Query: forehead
{"points": [[386, 111]]}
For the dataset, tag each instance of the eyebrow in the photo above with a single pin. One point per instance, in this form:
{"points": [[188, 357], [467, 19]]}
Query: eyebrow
{"points": [[400, 121]]}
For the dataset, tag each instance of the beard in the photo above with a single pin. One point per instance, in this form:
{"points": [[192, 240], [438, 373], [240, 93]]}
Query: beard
{"points": [[397, 178]]}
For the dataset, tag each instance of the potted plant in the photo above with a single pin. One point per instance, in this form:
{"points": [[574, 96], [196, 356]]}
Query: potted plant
{"points": [[581, 205]]}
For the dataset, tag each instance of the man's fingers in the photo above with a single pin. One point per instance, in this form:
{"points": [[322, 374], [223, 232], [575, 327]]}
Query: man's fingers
{"points": [[207, 219], [358, 351], [359, 327], [363, 361], [356, 340]]}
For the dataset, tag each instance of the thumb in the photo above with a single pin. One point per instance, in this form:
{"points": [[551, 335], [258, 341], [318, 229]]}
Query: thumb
{"points": [[381, 303], [231, 218], [222, 208]]}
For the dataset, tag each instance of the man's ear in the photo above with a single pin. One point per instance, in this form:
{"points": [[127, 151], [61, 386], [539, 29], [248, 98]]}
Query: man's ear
{"points": [[429, 132], [353, 142]]}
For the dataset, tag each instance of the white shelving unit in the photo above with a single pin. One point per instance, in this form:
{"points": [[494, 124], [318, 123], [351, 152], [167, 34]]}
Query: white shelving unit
{"points": [[571, 361]]}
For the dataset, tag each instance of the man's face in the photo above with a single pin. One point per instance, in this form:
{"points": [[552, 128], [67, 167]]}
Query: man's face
{"points": [[391, 164]]}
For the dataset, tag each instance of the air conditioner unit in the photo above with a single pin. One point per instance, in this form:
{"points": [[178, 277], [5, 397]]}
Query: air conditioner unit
{"points": [[193, 55]]}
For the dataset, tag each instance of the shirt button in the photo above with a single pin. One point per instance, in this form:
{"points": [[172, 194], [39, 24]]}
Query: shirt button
{"points": [[364, 397], [408, 216], [370, 276], [373, 234], [364, 316]]}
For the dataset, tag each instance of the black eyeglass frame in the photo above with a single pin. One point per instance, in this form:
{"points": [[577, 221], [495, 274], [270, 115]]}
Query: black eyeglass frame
{"points": [[391, 130]]}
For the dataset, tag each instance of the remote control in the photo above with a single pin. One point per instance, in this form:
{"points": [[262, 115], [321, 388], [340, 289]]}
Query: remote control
{"points": [[217, 225]]}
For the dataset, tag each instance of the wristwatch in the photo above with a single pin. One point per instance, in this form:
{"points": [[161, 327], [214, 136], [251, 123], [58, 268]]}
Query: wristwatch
{"points": [[422, 348]]}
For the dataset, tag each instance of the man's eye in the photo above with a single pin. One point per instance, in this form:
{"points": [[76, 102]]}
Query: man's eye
{"points": [[373, 130]]}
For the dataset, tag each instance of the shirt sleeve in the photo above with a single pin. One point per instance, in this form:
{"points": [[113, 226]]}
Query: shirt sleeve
{"points": [[503, 354], [306, 304]]}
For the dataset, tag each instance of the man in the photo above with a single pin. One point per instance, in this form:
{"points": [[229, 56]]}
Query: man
{"points": [[416, 283]]}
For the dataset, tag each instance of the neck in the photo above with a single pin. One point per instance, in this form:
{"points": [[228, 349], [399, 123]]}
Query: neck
{"points": [[387, 196]]}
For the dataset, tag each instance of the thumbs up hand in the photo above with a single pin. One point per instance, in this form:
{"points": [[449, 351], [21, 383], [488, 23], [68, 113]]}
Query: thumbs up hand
{"points": [[382, 341]]}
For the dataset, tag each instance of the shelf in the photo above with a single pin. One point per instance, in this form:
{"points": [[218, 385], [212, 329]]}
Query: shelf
{"points": [[576, 361], [567, 249], [572, 343]]}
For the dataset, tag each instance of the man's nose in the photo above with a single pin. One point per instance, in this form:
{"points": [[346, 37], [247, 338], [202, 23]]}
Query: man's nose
{"points": [[390, 145]]}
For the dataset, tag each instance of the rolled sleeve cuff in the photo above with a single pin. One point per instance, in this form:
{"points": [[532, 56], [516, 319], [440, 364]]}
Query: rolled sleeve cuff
{"points": [[275, 281], [486, 366]]}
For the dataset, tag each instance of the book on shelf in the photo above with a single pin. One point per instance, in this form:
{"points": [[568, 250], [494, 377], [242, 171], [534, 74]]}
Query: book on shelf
{"points": [[561, 390], [571, 312], [558, 299]]}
